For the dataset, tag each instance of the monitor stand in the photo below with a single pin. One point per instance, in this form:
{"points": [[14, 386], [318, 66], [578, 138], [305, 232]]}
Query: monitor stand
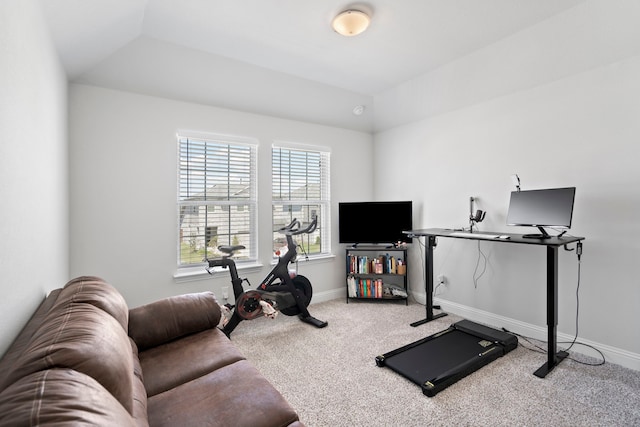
{"points": [[543, 234]]}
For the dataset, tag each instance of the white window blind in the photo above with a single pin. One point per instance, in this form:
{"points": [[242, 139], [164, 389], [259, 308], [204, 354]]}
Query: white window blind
{"points": [[301, 190], [217, 199]]}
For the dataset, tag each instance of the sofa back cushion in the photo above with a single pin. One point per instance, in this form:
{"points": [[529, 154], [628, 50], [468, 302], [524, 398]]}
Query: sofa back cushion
{"points": [[95, 291], [19, 345], [80, 332], [168, 319], [139, 411]]}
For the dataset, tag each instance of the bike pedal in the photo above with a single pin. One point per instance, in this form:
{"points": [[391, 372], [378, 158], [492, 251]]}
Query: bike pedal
{"points": [[268, 310]]}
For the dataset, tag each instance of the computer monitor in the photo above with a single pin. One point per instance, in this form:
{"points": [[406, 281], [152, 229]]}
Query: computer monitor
{"points": [[551, 207]]}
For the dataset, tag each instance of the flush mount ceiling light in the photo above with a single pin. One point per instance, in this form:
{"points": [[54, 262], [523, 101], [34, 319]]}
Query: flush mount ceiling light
{"points": [[351, 22]]}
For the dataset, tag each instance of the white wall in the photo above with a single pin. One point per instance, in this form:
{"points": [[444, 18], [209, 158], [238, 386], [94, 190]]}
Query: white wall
{"points": [[557, 104], [579, 129], [33, 166], [593, 33], [225, 82], [123, 188]]}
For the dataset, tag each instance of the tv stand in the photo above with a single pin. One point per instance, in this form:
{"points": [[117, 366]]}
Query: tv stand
{"points": [[543, 235], [373, 272], [552, 244]]}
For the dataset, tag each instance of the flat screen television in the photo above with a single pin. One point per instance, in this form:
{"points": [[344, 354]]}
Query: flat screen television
{"points": [[551, 208], [374, 222]]}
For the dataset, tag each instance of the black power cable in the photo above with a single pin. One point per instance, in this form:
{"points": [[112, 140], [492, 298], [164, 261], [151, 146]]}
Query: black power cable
{"points": [[484, 267], [539, 349]]}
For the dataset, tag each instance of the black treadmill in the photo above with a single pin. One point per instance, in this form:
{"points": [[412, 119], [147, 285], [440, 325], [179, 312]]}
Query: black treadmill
{"points": [[439, 360]]}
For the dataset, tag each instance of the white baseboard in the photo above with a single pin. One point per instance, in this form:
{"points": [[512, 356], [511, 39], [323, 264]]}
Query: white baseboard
{"points": [[612, 354], [329, 295]]}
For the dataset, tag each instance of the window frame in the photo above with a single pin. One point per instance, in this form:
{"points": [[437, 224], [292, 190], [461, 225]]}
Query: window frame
{"points": [[323, 202], [250, 257]]}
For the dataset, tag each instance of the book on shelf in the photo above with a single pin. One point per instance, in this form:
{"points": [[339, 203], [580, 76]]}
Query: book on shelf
{"points": [[365, 287], [381, 264]]}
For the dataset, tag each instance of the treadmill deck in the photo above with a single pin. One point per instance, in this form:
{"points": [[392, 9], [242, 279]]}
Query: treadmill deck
{"points": [[441, 359]]}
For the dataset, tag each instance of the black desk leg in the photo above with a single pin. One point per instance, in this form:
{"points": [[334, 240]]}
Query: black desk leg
{"points": [[428, 263], [553, 357]]}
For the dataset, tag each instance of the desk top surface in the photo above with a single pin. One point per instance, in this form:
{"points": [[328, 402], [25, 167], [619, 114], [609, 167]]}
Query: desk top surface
{"points": [[513, 238]]}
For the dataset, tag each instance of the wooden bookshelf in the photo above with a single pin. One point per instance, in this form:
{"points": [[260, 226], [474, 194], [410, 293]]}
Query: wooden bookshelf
{"points": [[376, 273]]}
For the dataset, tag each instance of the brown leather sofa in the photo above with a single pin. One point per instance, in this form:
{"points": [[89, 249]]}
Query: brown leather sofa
{"points": [[84, 358]]}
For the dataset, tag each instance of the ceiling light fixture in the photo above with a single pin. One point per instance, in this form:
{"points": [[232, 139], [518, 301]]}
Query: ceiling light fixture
{"points": [[351, 22]]}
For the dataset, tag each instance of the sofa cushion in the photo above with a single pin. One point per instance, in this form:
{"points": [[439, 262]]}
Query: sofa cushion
{"points": [[183, 360], [61, 397], [239, 394], [95, 291], [139, 392], [170, 318], [20, 344], [83, 337]]}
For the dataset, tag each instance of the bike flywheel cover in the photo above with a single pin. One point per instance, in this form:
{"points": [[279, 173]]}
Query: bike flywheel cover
{"points": [[304, 288], [248, 305]]}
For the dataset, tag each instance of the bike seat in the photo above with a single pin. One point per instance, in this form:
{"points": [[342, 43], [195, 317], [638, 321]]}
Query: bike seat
{"points": [[230, 249]]}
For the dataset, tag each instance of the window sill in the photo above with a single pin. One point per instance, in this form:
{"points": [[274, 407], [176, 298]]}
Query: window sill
{"points": [[313, 259], [190, 274], [199, 272]]}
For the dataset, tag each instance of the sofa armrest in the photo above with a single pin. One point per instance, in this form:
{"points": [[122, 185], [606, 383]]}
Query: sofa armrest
{"points": [[168, 319]]}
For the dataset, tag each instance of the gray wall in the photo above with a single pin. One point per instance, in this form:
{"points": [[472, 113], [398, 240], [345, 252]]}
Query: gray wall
{"points": [[558, 104], [123, 188], [33, 166]]}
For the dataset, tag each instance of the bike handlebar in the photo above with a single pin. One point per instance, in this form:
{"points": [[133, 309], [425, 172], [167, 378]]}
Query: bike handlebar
{"points": [[312, 226], [293, 229]]}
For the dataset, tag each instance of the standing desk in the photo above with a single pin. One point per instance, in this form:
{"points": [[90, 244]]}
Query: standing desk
{"points": [[552, 244]]}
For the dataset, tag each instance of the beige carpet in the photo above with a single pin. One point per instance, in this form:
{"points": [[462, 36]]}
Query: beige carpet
{"points": [[330, 377]]}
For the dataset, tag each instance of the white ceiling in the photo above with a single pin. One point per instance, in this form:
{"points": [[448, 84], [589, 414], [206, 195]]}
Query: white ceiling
{"points": [[118, 43]]}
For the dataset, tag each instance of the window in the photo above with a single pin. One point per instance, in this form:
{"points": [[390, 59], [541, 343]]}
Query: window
{"points": [[300, 190], [216, 197]]}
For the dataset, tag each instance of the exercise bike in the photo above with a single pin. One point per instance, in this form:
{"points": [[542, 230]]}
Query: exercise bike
{"points": [[290, 295]]}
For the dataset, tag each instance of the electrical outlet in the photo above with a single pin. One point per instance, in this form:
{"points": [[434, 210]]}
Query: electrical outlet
{"points": [[225, 292], [441, 279]]}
